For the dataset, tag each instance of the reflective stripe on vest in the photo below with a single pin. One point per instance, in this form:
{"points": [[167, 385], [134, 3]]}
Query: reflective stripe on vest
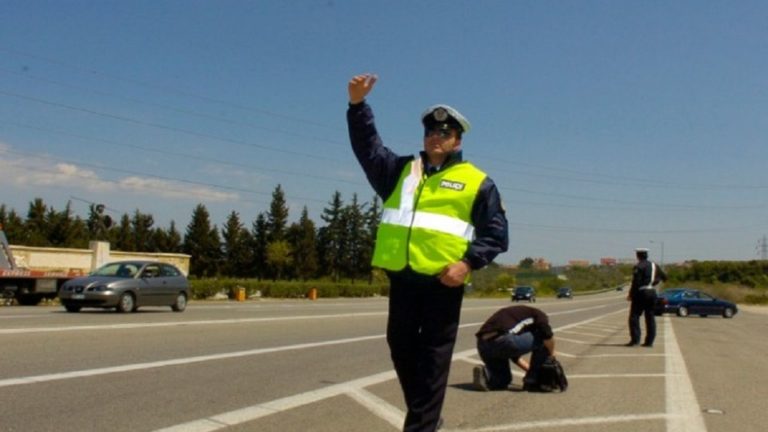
{"points": [[653, 278], [426, 222]]}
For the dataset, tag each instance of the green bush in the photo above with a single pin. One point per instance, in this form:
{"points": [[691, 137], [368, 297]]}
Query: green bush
{"points": [[205, 288]]}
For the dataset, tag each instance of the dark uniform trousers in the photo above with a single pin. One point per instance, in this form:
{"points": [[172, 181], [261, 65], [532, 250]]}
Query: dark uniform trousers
{"points": [[421, 332], [643, 303]]}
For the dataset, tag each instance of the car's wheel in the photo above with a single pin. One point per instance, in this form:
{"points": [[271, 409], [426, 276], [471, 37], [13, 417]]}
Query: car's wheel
{"points": [[72, 308], [728, 312], [126, 303], [181, 303], [682, 311]]}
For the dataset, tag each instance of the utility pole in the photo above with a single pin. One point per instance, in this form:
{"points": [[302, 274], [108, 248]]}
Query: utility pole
{"points": [[762, 247]]}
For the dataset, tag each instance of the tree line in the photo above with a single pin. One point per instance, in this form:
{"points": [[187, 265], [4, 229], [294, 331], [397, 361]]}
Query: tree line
{"points": [[270, 248]]}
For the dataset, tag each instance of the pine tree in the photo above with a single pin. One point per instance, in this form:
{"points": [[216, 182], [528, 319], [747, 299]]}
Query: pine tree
{"points": [[303, 242], [278, 215], [64, 230], [202, 243], [167, 241], [141, 225], [123, 235], [236, 250], [12, 225], [36, 227], [372, 218], [258, 247], [353, 239], [332, 237]]}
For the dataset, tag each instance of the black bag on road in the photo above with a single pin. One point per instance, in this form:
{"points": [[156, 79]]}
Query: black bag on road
{"points": [[551, 376]]}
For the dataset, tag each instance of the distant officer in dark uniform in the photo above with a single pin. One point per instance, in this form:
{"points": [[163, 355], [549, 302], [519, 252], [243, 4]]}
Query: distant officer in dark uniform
{"points": [[645, 276], [509, 334], [442, 218]]}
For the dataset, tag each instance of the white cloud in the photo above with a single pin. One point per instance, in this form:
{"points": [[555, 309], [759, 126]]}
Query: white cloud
{"points": [[171, 189], [40, 171]]}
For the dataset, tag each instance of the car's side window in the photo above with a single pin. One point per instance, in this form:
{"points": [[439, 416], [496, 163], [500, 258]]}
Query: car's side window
{"points": [[168, 271], [151, 271]]}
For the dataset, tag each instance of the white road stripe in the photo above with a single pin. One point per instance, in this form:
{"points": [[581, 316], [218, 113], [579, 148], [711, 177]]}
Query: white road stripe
{"points": [[583, 421], [256, 411], [175, 362], [682, 404], [185, 323], [378, 406], [101, 327], [583, 333]]}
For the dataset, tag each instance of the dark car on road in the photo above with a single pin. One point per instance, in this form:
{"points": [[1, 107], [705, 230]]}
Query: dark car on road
{"points": [[126, 286], [686, 301], [524, 293], [565, 292]]}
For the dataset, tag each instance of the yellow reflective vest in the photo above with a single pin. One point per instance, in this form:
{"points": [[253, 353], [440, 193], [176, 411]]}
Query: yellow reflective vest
{"points": [[426, 222]]}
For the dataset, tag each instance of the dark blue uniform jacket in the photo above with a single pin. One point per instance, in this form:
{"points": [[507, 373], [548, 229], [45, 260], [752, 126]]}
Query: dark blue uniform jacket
{"points": [[383, 169]]}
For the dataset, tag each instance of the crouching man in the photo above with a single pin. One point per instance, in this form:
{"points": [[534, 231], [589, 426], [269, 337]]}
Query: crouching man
{"points": [[509, 334]]}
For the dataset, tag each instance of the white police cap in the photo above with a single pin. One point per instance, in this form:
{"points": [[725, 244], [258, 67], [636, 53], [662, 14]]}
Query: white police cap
{"points": [[641, 249], [442, 113]]}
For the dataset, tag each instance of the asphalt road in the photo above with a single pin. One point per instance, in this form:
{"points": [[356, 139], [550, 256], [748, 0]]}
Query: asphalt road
{"points": [[324, 366]]}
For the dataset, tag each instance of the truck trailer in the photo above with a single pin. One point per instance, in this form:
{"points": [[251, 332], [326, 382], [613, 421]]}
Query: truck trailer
{"points": [[27, 286]]}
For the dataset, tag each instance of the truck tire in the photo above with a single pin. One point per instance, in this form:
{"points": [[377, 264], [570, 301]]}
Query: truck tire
{"points": [[29, 299]]}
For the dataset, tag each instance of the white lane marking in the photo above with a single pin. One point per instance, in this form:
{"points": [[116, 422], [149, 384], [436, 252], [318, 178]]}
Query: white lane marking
{"points": [[254, 412], [565, 354], [576, 341], [378, 406], [604, 327], [27, 330], [186, 323], [175, 362], [583, 333], [583, 421], [682, 404]]}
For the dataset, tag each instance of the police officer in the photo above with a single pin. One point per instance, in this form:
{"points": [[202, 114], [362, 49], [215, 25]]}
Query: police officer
{"points": [[442, 218], [507, 335], [642, 295]]}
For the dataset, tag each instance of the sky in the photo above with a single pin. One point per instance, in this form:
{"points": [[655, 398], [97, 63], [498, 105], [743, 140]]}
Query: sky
{"points": [[606, 125]]}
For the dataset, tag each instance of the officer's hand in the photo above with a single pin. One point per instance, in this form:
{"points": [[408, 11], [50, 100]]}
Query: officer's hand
{"points": [[359, 87], [454, 274]]}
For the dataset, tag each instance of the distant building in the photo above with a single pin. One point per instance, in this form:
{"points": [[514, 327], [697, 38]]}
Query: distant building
{"points": [[608, 261], [578, 263]]}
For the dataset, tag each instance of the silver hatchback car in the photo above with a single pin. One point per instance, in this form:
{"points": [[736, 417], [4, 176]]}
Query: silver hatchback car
{"points": [[126, 286]]}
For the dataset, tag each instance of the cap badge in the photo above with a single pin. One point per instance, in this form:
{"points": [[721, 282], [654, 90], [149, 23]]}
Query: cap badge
{"points": [[440, 114]]}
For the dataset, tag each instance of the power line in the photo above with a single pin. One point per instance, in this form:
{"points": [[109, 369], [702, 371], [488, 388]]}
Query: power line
{"points": [[609, 179]]}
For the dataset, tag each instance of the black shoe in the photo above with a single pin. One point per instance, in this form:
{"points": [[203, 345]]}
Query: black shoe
{"points": [[648, 345], [631, 344]]}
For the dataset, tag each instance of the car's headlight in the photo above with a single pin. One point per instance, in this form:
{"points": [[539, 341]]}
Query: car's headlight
{"points": [[100, 288]]}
